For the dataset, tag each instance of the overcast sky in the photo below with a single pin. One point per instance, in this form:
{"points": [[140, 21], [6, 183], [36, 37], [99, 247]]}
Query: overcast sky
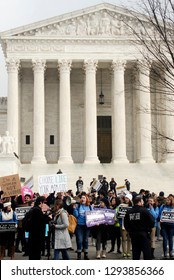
{"points": [[15, 13]]}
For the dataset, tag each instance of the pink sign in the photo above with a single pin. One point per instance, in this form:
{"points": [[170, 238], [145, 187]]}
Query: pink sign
{"points": [[26, 190]]}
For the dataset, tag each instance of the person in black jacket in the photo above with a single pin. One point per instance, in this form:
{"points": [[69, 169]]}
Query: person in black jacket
{"points": [[36, 230], [139, 222]]}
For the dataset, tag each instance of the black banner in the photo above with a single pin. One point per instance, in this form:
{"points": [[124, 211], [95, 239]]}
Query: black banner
{"points": [[7, 226], [21, 211], [122, 209]]}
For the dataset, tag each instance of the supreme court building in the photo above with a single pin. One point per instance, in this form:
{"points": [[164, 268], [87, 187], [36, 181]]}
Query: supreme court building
{"points": [[58, 71]]}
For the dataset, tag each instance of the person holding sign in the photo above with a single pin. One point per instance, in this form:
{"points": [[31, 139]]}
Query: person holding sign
{"points": [[102, 233], [166, 213], [8, 222], [126, 241]]}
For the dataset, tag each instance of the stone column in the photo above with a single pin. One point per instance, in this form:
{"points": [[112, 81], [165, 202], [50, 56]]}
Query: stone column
{"points": [[39, 67], [64, 67], [13, 66], [90, 67], [118, 113], [144, 126], [169, 116]]}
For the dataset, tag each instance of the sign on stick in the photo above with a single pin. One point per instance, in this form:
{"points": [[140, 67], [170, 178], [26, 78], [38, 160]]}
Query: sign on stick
{"points": [[52, 183], [10, 185]]}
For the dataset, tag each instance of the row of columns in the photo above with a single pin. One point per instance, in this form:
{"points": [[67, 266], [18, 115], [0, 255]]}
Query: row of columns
{"points": [[144, 145]]}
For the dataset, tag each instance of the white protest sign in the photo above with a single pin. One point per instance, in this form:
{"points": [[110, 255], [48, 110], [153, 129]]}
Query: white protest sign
{"points": [[52, 183], [96, 185], [121, 189], [167, 216]]}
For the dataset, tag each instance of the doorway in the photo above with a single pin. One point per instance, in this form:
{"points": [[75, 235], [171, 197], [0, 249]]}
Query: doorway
{"points": [[104, 139]]}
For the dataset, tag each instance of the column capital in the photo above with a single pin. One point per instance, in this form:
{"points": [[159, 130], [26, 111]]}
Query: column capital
{"points": [[12, 64], [118, 65], [90, 64], [39, 65], [64, 65]]}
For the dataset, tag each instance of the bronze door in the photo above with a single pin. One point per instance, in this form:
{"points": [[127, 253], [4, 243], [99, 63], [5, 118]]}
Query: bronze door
{"points": [[104, 139]]}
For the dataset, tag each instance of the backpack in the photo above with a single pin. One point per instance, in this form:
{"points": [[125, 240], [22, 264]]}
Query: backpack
{"points": [[72, 224]]}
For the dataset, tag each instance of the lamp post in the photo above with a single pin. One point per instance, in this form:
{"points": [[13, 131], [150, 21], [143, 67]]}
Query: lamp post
{"points": [[101, 95]]}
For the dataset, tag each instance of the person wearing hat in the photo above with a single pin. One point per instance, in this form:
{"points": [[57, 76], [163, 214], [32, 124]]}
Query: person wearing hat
{"points": [[79, 184], [101, 232], [104, 186], [127, 184], [126, 241], [36, 229], [7, 215], [113, 185]]}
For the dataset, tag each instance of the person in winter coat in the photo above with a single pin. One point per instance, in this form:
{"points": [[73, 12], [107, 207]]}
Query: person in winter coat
{"points": [[82, 231], [167, 228], [102, 231], [7, 215], [154, 211], [62, 240], [36, 230], [139, 222], [115, 229], [126, 240]]}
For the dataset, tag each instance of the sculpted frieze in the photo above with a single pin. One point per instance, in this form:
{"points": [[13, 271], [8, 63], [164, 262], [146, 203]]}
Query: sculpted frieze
{"points": [[102, 23], [33, 46]]}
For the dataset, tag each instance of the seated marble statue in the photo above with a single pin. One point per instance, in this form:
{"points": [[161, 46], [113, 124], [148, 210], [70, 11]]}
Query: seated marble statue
{"points": [[7, 143]]}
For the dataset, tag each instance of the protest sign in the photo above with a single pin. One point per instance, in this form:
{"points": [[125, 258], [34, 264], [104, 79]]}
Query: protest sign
{"points": [[95, 217], [100, 216], [120, 189], [21, 211], [122, 209], [96, 185], [10, 185], [110, 216], [7, 227], [52, 183], [167, 216], [26, 190]]}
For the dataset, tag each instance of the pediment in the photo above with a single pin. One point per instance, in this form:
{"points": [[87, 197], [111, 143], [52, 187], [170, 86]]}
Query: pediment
{"points": [[104, 20]]}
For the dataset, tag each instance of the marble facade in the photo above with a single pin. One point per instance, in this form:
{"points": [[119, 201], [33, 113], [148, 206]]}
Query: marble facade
{"points": [[54, 81]]}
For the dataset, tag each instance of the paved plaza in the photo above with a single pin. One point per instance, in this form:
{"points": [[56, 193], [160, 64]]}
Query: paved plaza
{"points": [[92, 253]]}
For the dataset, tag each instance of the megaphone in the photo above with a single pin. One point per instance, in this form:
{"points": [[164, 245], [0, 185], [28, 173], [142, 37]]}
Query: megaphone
{"points": [[70, 200]]}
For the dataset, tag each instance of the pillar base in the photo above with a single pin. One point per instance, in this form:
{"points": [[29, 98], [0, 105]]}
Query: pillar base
{"points": [[91, 160], [38, 160], [65, 160], [145, 160], [120, 160]]}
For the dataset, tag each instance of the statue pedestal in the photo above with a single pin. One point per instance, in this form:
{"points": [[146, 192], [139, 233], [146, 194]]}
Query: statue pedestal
{"points": [[9, 164]]}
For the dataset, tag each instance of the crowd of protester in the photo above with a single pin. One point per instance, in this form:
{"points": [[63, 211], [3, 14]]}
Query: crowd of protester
{"points": [[45, 225]]}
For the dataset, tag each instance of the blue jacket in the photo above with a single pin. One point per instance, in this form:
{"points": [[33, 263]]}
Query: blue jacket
{"points": [[154, 213], [168, 208], [79, 213]]}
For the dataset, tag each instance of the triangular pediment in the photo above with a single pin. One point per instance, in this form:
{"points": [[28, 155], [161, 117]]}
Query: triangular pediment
{"points": [[103, 20]]}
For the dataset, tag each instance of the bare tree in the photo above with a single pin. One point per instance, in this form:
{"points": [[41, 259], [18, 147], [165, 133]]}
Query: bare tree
{"points": [[153, 35]]}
